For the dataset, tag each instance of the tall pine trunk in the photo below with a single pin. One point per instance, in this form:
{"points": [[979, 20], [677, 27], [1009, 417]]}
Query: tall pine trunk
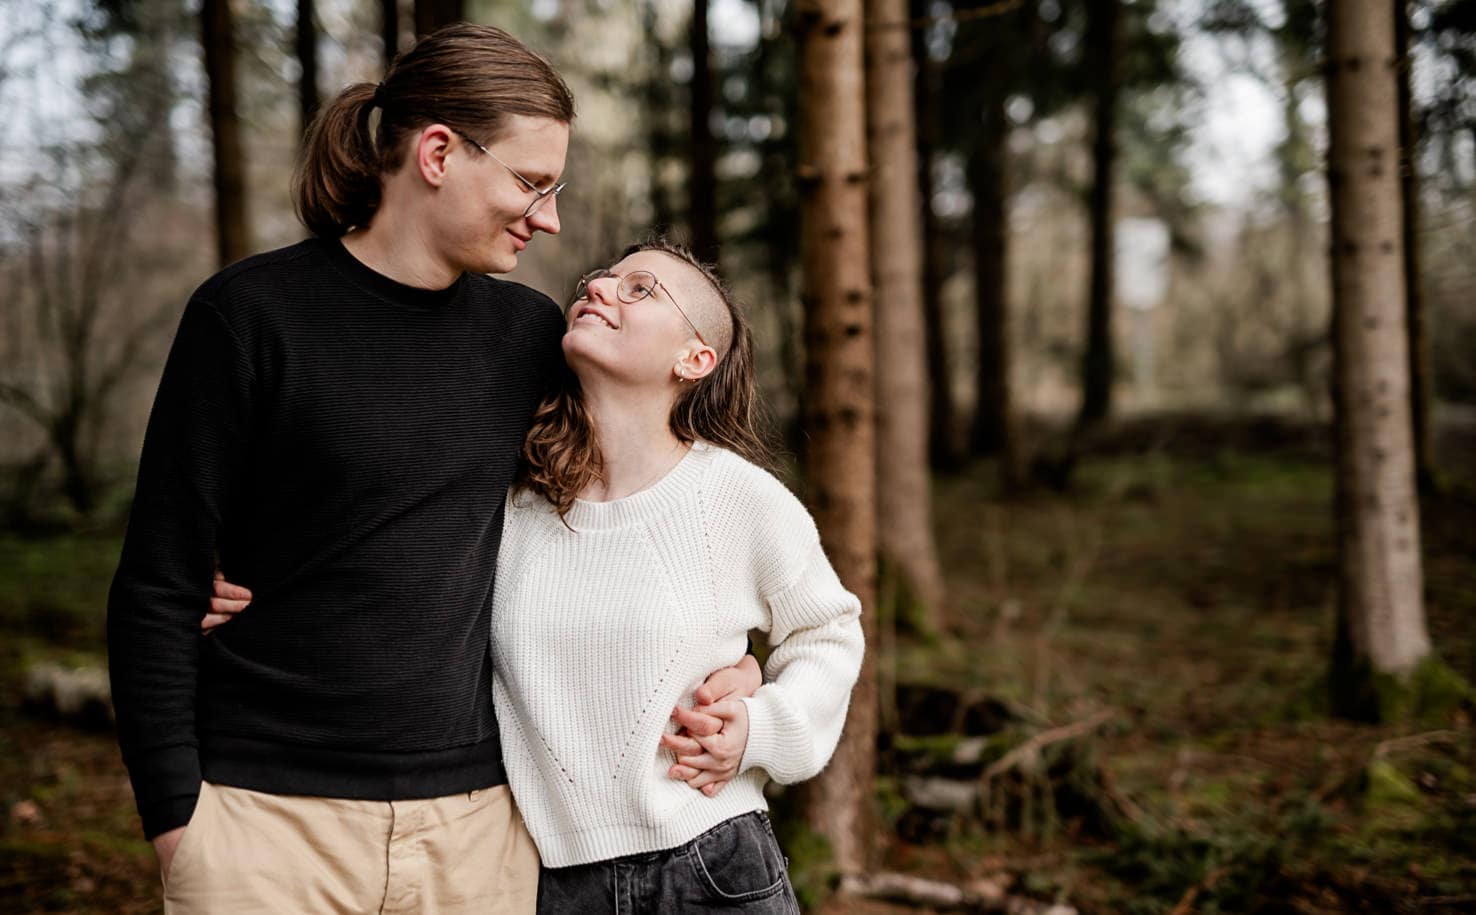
{"points": [[307, 59], [1421, 388], [904, 492], [1103, 50], [945, 446], [1381, 618], [702, 205], [840, 462], [993, 431], [432, 14], [217, 39], [389, 29]]}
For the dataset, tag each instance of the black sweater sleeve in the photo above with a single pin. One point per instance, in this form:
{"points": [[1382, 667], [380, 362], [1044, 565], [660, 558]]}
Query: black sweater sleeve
{"points": [[193, 454]]}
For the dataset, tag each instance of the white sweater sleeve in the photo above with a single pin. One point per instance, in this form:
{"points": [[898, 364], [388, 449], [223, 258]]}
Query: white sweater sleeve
{"points": [[795, 718]]}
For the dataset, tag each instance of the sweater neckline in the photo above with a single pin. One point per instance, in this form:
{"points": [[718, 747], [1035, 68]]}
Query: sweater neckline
{"points": [[656, 501], [393, 291]]}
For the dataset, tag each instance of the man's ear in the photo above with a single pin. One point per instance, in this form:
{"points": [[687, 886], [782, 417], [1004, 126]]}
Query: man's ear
{"points": [[696, 363], [431, 150]]}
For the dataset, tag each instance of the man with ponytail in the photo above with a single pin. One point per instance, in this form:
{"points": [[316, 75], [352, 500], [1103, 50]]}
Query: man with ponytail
{"points": [[336, 428]]}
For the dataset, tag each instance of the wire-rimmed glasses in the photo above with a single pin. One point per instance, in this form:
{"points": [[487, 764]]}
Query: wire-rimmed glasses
{"points": [[633, 287]]}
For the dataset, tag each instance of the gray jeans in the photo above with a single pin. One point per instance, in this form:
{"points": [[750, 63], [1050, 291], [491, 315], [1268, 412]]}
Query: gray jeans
{"points": [[734, 867]]}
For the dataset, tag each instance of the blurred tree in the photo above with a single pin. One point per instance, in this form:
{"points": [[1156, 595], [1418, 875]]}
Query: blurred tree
{"points": [[1103, 52], [1421, 395], [1381, 619], [76, 330], [945, 447], [840, 466], [702, 145], [432, 14], [993, 428], [307, 59], [217, 39], [389, 29], [903, 481]]}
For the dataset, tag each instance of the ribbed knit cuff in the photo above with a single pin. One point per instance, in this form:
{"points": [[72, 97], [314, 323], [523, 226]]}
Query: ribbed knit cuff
{"points": [[166, 784], [772, 746]]}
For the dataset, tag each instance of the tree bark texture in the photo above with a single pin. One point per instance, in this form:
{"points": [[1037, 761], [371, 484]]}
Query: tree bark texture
{"points": [[1380, 598], [307, 58], [432, 14], [904, 484], [217, 38], [1103, 50], [1421, 385], [702, 206], [840, 462]]}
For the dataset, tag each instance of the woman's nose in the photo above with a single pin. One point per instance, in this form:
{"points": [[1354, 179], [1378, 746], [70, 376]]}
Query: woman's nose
{"points": [[603, 289]]}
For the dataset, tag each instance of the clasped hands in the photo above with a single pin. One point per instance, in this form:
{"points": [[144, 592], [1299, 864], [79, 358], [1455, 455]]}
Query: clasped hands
{"points": [[711, 736]]}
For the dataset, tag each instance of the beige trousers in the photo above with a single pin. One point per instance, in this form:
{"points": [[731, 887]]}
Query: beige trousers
{"points": [[245, 851]]}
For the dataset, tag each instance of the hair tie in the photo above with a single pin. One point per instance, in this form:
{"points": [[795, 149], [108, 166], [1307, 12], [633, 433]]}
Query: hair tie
{"points": [[379, 96]]}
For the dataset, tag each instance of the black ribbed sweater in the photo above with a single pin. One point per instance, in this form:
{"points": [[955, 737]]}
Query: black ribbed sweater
{"points": [[342, 445]]}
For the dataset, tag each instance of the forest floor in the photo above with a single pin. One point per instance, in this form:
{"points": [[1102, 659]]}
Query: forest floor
{"points": [[1181, 589]]}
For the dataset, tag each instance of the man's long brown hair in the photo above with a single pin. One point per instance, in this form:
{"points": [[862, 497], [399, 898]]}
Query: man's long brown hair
{"points": [[468, 77], [561, 456]]}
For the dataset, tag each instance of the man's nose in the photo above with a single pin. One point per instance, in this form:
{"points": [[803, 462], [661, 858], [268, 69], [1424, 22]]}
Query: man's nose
{"points": [[546, 217]]}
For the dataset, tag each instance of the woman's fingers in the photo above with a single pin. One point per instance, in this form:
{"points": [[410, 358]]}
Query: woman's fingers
{"points": [[704, 779], [223, 606], [227, 591], [739, 681], [681, 745], [700, 761], [697, 724], [212, 620]]}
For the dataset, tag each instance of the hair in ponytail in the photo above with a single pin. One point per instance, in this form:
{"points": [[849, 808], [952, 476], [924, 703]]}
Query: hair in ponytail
{"points": [[468, 77]]}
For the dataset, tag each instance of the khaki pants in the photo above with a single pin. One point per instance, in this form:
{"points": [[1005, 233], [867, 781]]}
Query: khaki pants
{"points": [[245, 851]]}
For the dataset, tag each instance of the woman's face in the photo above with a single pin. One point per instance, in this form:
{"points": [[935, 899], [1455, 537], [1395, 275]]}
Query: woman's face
{"points": [[484, 200], [647, 342]]}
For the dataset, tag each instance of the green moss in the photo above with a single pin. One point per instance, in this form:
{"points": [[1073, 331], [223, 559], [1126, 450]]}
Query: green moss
{"points": [[1428, 695]]}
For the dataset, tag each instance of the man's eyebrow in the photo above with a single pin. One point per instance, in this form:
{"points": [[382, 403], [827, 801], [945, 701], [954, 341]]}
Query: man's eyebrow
{"points": [[539, 180]]}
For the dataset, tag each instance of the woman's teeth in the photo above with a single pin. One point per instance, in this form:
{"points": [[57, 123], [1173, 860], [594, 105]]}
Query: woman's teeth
{"points": [[590, 315]]}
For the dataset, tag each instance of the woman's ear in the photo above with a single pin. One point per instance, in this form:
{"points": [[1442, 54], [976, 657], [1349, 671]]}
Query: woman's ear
{"points": [[696, 363]]}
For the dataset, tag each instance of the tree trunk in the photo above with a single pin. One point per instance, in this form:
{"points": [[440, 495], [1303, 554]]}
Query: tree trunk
{"points": [[839, 409], [218, 41], [1102, 41], [432, 14], [1421, 387], [944, 442], [389, 29], [1381, 615], [702, 207], [904, 493], [993, 427], [307, 58]]}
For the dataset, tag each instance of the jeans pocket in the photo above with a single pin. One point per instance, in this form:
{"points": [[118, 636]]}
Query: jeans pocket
{"points": [[738, 861]]}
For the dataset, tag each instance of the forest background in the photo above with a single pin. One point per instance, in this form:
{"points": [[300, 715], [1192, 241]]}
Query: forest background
{"points": [[1096, 443]]}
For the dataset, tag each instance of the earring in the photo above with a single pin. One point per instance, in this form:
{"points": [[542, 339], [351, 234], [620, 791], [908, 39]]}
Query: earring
{"points": [[681, 373]]}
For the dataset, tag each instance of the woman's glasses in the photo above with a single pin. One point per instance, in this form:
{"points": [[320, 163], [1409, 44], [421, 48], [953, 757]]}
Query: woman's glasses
{"points": [[634, 286]]}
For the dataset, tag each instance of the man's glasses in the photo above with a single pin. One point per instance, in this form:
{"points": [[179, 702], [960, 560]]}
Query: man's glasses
{"points": [[634, 286], [540, 197]]}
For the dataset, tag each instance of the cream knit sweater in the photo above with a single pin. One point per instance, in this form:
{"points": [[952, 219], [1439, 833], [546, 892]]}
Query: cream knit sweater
{"points": [[598, 632]]}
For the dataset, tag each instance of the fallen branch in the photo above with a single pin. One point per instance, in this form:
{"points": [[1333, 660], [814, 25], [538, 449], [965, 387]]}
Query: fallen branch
{"points": [[1186, 902], [1032, 747], [922, 892], [1413, 741]]}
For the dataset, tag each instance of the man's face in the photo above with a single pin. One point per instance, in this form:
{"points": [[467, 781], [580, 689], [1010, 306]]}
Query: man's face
{"points": [[485, 228]]}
